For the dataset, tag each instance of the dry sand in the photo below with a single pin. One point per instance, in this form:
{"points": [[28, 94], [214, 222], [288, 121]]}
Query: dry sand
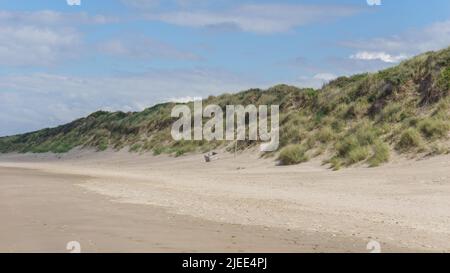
{"points": [[122, 202]]}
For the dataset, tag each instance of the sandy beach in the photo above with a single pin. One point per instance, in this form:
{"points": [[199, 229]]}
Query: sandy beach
{"points": [[122, 202]]}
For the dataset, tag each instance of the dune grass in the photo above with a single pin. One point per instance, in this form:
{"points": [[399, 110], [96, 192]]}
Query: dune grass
{"points": [[409, 140], [351, 120], [292, 155]]}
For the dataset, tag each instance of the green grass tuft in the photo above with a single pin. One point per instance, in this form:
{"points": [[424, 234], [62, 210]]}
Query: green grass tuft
{"points": [[293, 154], [325, 135], [357, 154], [381, 154], [410, 139], [434, 128]]}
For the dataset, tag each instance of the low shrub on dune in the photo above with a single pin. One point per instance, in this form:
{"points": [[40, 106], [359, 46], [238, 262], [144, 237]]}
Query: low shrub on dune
{"points": [[293, 154], [409, 140], [434, 128], [381, 154]]}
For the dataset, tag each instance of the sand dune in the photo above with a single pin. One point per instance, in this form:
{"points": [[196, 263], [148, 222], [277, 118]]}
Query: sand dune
{"points": [[404, 205]]}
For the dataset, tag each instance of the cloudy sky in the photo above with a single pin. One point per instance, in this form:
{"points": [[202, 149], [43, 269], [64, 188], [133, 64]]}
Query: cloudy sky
{"points": [[63, 59]]}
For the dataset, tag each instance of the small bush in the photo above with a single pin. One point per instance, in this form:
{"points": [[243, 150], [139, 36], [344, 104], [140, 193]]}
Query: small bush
{"points": [[293, 154], [442, 110], [346, 145], [439, 150], [433, 128], [358, 109], [102, 145], [365, 134], [391, 113], [357, 154], [351, 151], [61, 148], [289, 134], [381, 154], [409, 139], [444, 79], [179, 151], [411, 122], [335, 163], [310, 143], [325, 135], [135, 148], [338, 125], [158, 150]]}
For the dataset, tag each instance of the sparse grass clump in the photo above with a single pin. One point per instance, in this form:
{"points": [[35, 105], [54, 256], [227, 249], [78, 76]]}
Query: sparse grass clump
{"points": [[325, 135], [365, 134], [439, 150], [442, 110], [179, 151], [358, 154], [434, 128], [444, 79], [349, 151], [293, 154], [335, 163], [102, 145], [410, 139], [158, 150], [358, 109], [338, 125], [391, 113], [135, 148], [360, 144], [346, 145], [381, 154], [61, 148]]}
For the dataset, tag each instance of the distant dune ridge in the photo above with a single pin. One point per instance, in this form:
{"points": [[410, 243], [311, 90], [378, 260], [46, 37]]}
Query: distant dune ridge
{"points": [[364, 118]]}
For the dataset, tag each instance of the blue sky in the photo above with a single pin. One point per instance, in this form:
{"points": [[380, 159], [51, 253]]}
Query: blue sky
{"points": [[59, 62]]}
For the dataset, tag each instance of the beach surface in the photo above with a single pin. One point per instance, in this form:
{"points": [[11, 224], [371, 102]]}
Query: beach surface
{"points": [[122, 202]]}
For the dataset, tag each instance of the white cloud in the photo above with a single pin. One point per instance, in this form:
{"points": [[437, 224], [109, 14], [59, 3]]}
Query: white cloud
{"points": [[314, 81], [258, 18], [412, 42], [52, 18], [144, 48], [28, 45], [42, 38], [326, 77], [142, 4], [382, 56], [154, 4], [38, 101], [184, 99], [347, 66], [374, 2], [74, 2]]}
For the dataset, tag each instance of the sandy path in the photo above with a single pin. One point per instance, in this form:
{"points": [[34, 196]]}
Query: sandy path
{"points": [[404, 205]]}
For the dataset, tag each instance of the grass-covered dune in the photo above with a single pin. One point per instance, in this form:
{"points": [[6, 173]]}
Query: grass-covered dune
{"points": [[362, 118]]}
